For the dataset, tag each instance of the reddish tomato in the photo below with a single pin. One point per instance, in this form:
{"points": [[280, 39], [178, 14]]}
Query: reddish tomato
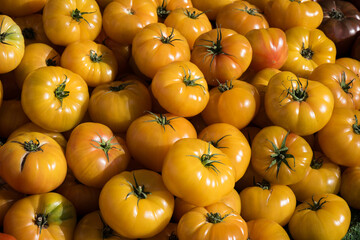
{"points": [[266, 229], [12, 117], [350, 186], [4, 236]]}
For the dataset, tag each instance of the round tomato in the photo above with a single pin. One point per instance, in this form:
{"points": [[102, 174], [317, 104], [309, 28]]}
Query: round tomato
{"points": [[350, 63], [12, 117], [18, 8], [350, 186], [136, 204], [266, 229]]}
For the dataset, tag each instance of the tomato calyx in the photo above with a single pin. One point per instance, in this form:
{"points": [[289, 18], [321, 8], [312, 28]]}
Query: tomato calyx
{"points": [[265, 185], [193, 14], [207, 160], [77, 15], [216, 143], [250, 11], [60, 92], [138, 191], [299, 93], [298, 1], [356, 126], [173, 236], [169, 39], [316, 163], [345, 86], [41, 221], [94, 57], [306, 52], [215, 217], [51, 62], [192, 82], [28, 33], [315, 205], [336, 14], [162, 120], [4, 35], [225, 86], [280, 156], [120, 87], [29, 147], [162, 12], [105, 146]]}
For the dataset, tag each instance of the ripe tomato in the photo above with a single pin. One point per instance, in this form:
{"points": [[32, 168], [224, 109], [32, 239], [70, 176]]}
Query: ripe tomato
{"points": [[350, 63], [211, 7], [124, 18], [94, 154], [323, 177], [169, 233], [350, 186], [222, 55], [165, 7], [118, 103], [20, 8], [181, 19], [95, 63], [41, 216], [259, 3], [214, 222], [12, 117], [67, 21], [133, 199], [164, 43], [324, 216], [197, 172], [11, 44], [299, 105], [242, 17], [36, 55], [266, 229], [181, 89], [8, 197], [4, 236], [33, 163], [279, 156], [54, 98], [156, 133], [235, 102]]}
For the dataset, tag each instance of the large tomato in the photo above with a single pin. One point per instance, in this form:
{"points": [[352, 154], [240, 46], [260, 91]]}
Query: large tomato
{"points": [[350, 63], [32, 163], [47, 216], [12, 117], [136, 204], [197, 172], [94, 154], [181, 89], [67, 21], [266, 229], [222, 55], [18, 8], [350, 186], [4, 236], [279, 156], [165, 7], [324, 216], [12, 45], [299, 105], [54, 98]]}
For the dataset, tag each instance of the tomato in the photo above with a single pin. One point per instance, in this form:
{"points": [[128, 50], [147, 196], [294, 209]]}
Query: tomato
{"points": [[54, 98], [222, 55], [163, 43], [8, 197], [235, 102], [230, 141], [95, 63], [4, 236], [41, 216], [19, 8], [84, 198], [136, 204], [342, 82], [324, 176], [11, 44], [270, 49], [350, 190], [266, 229], [181, 89], [36, 55], [261, 4], [165, 7], [215, 222], [67, 21], [181, 19], [32, 163], [299, 105], [286, 14], [324, 216], [350, 63], [344, 125], [118, 103], [12, 117], [211, 7], [156, 133], [197, 172], [31, 127], [242, 17], [124, 18], [168, 233], [93, 227], [279, 156], [94, 154]]}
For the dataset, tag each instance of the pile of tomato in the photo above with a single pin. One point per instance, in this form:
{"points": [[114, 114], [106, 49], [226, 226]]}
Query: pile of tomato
{"points": [[179, 119]]}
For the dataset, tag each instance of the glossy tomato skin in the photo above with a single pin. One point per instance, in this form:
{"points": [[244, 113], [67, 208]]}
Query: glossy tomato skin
{"points": [[266, 229], [286, 14], [33, 163], [222, 55], [156, 134], [54, 98], [159, 41], [290, 148], [308, 48], [299, 105], [350, 190], [181, 89], [198, 224], [59, 213], [197, 172], [69, 21], [330, 221], [124, 209], [12, 45]]}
